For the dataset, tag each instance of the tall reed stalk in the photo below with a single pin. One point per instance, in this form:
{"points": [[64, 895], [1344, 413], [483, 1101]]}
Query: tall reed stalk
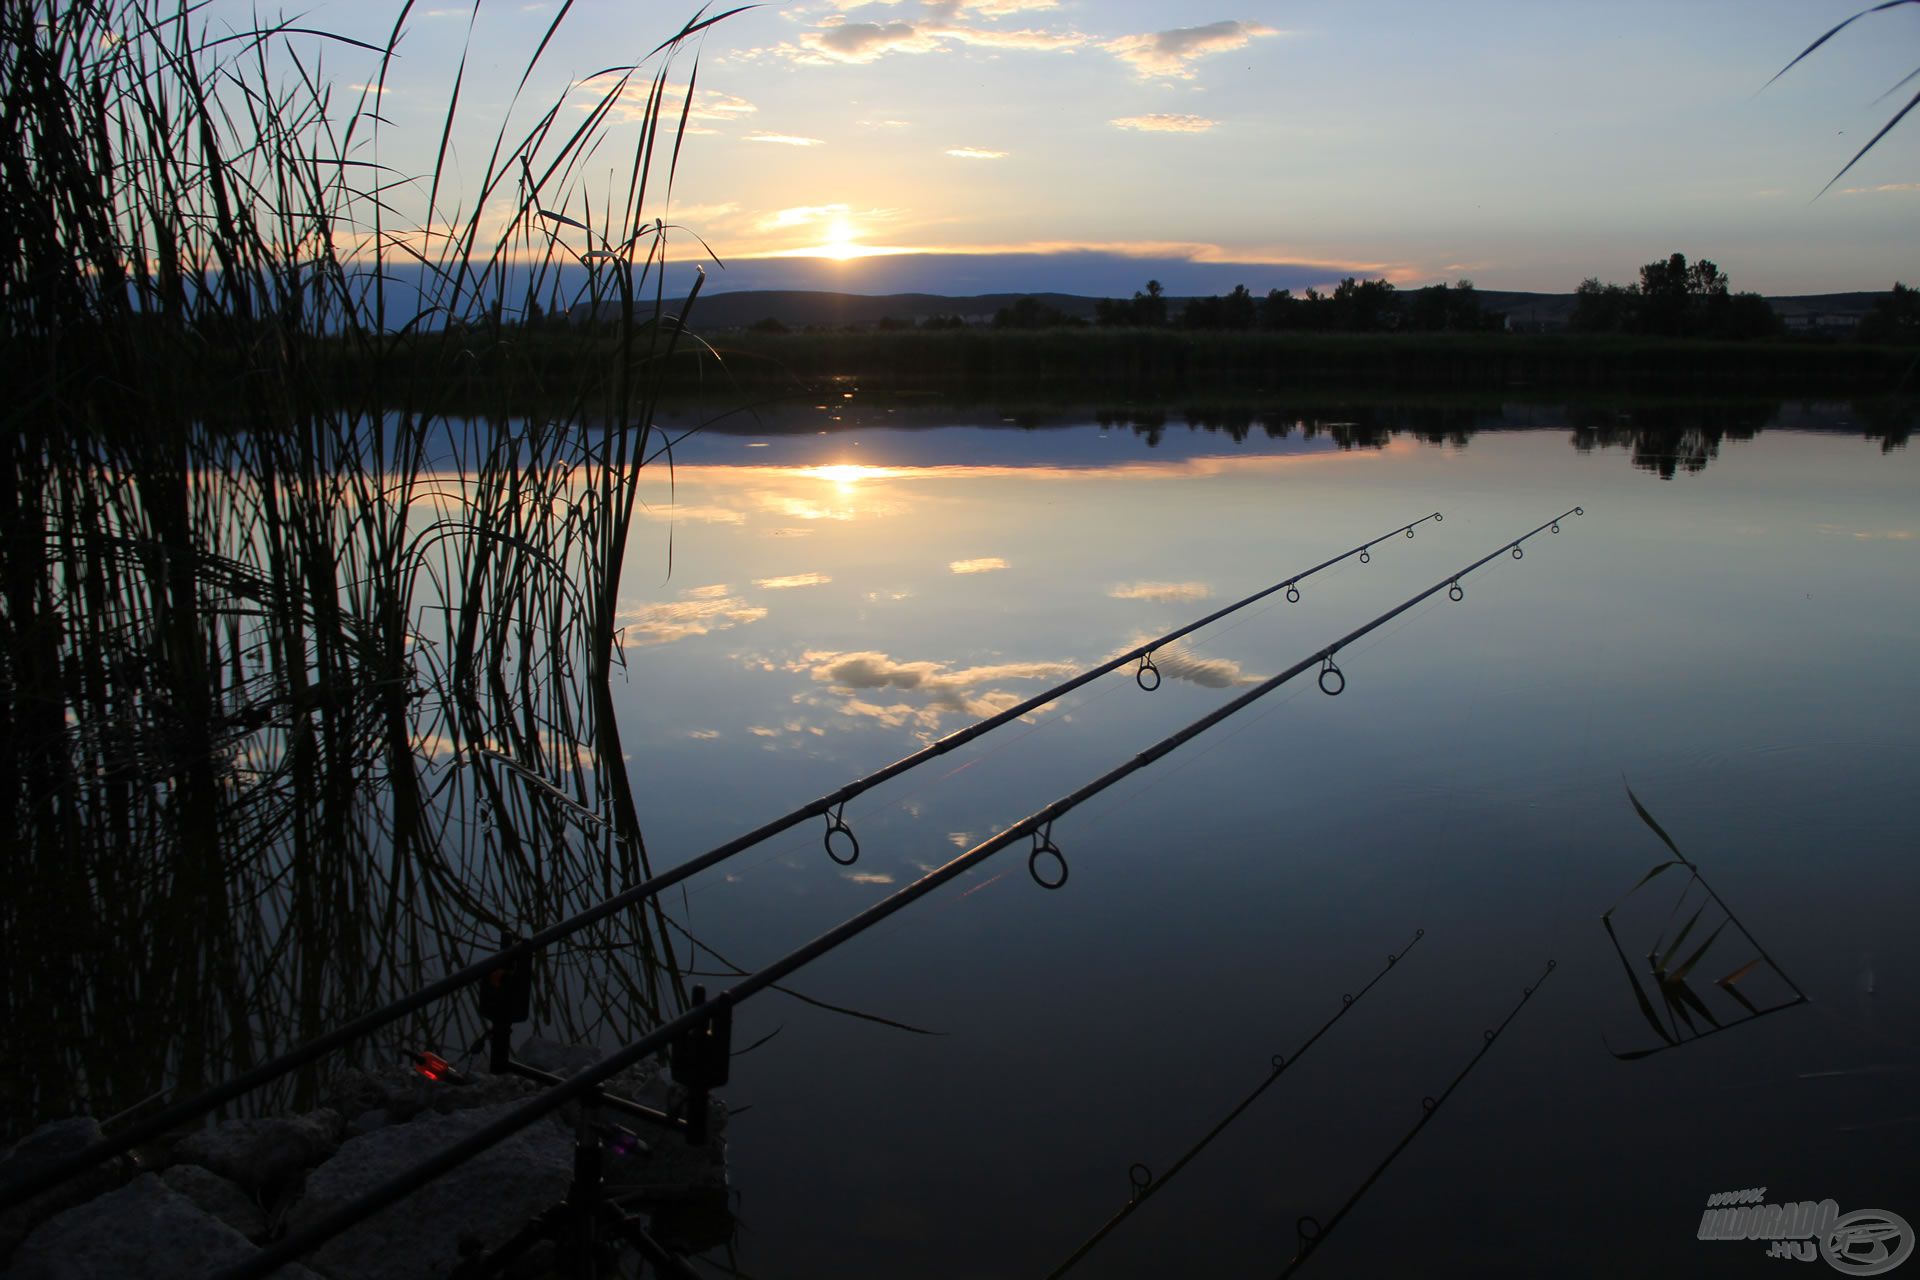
{"points": [[304, 682]]}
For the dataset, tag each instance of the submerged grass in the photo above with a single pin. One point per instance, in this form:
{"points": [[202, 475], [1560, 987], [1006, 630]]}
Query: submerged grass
{"points": [[304, 686]]}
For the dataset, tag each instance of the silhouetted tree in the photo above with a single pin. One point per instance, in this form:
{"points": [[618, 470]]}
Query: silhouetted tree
{"points": [[1281, 310], [1894, 318], [1438, 307], [1604, 308], [1031, 313], [1143, 309], [1364, 306], [1237, 310]]}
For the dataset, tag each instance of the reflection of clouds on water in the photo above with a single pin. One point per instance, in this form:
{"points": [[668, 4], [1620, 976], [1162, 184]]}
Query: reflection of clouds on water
{"points": [[1174, 591], [699, 611], [793, 580], [965, 689], [1867, 535], [867, 877], [1178, 661], [985, 564], [703, 514], [799, 508]]}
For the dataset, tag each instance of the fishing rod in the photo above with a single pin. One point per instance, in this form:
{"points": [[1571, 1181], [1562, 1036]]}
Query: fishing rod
{"points": [[833, 806], [1145, 1185], [713, 1017], [1310, 1231]]}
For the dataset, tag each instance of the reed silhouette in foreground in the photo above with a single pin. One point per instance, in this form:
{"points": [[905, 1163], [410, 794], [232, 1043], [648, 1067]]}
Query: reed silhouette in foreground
{"points": [[1671, 1000], [304, 685]]}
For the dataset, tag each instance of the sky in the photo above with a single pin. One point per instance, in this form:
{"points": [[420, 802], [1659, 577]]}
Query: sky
{"points": [[1083, 146]]}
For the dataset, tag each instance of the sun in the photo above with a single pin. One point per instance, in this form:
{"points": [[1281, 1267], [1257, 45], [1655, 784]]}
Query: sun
{"points": [[840, 242]]}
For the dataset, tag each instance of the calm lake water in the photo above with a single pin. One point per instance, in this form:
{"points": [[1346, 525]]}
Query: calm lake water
{"points": [[1736, 643]]}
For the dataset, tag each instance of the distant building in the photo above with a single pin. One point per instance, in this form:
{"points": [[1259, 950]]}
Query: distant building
{"points": [[1833, 322]]}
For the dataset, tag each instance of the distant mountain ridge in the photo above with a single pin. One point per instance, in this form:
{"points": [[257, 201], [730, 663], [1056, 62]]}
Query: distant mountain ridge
{"points": [[798, 308]]}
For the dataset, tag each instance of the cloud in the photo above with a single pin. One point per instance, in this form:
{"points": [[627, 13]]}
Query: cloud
{"points": [[793, 580], [1868, 535], [985, 564], [1044, 41], [975, 153], [704, 214], [1160, 591], [1164, 122], [1883, 189], [862, 42], [703, 735], [1169, 53], [698, 612], [710, 106], [966, 689], [784, 139], [948, 10], [867, 877], [837, 41], [802, 215]]}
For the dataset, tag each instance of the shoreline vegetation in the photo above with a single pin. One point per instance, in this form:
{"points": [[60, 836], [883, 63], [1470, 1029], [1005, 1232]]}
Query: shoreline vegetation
{"points": [[288, 717], [535, 362], [1679, 329]]}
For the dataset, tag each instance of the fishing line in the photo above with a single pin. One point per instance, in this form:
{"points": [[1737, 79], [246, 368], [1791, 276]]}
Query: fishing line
{"points": [[1145, 1185], [1310, 1232]]}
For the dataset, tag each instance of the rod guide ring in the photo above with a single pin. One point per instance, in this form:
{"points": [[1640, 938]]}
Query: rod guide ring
{"points": [[1455, 592], [1338, 683], [1140, 1177], [837, 826], [1043, 846], [1293, 594], [1147, 669]]}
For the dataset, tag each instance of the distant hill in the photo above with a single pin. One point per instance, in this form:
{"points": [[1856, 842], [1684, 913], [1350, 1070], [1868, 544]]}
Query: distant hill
{"points": [[797, 309]]}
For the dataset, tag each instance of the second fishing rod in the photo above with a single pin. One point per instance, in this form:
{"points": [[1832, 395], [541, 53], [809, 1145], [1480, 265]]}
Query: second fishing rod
{"points": [[719, 1009], [841, 845]]}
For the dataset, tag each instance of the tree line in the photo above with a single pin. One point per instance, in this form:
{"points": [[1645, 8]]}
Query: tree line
{"points": [[1673, 298], [1354, 306]]}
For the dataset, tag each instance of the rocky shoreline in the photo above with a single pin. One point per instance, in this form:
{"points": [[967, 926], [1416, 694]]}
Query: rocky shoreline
{"points": [[206, 1199]]}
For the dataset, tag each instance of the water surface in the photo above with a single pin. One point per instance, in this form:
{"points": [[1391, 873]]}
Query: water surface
{"points": [[1734, 642]]}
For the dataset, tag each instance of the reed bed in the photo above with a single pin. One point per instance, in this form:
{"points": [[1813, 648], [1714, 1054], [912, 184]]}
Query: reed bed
{"points": [[305, 682]]}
